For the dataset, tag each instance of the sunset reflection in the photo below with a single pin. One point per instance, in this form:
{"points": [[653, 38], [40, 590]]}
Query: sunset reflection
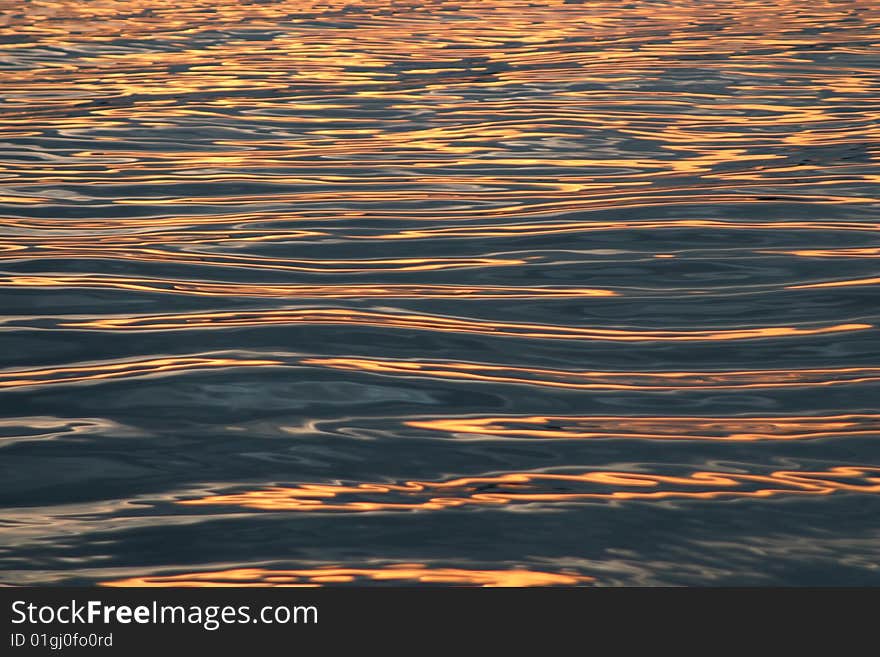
{"points": [[535, 487], [455, 293], [329, 576], [737, 429], [444, 324], [586, 380]]}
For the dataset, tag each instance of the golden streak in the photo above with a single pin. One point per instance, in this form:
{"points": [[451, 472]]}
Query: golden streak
{"points": [[872, 252], [49, 252], [857, 281], [510, 489], [441, 324], [135, 368], [551, 228], [400, 573], [589, 380], [726, 429], [267, 290]]}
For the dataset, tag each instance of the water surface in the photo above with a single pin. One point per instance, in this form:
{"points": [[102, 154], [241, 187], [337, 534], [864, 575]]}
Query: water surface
{"points": [[490, 292]]}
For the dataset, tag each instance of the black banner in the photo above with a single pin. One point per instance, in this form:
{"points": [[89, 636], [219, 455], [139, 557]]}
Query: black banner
{"points": [[129, 621]]}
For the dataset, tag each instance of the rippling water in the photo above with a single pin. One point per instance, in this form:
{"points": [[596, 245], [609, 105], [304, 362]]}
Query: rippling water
{"points": [[489, 292]]}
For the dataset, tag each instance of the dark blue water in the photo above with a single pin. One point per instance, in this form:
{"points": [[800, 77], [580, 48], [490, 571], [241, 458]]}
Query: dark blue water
{"points": [[497, 292]]}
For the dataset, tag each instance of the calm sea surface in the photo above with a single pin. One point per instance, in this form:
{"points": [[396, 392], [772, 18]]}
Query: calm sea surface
{"points": [[492, 292]]}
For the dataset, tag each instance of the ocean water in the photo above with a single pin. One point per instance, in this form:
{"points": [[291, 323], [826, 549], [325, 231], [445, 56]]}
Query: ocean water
{"points": [[485, 292]]}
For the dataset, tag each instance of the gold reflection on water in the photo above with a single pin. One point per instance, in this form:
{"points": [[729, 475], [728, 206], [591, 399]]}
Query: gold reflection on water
{"points": [[276, 264], [551, 228], [237, 153], [474, 372], [508, 489], [737, 429], [604, 380], [206, 288], [441, 324], [103, 371], [397, 573], [847, 283], [295, 108], [872, 252]]}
